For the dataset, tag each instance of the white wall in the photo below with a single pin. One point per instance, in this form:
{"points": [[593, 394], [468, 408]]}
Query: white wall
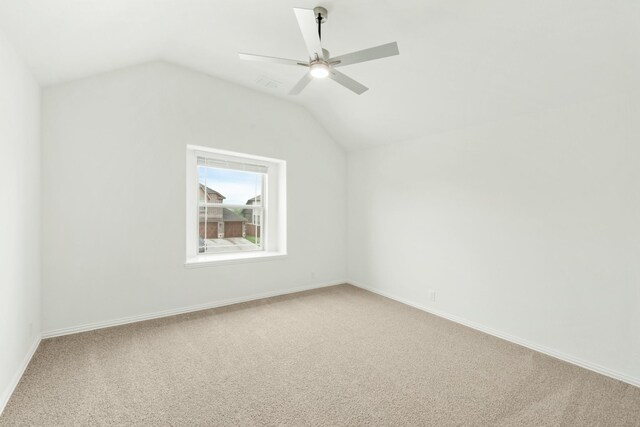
{"points": [[114, 150], [528, 227], [19, 217]]}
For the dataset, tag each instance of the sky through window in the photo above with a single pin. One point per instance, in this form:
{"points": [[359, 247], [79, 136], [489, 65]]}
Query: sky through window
{"points": [[237, 186]]}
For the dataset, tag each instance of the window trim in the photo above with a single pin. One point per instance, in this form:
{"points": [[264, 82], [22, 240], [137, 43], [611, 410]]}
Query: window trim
{"points": [[274, 231]]}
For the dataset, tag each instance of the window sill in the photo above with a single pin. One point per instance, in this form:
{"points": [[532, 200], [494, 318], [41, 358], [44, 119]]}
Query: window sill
{"points": [[235, 258]]}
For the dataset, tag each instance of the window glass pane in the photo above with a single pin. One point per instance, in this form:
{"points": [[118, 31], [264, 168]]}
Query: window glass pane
{"points": [[240, 232], [253, 227], [230, 186], [208, 219], [229, 229]]}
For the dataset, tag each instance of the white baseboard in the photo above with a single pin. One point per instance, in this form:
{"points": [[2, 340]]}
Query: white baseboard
{"points": [[6, 395], [525, 343], [182, 310]]}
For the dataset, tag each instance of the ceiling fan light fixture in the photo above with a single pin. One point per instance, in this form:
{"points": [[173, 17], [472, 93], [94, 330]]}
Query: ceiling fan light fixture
{"points": [[320, 64], [319, 70]]}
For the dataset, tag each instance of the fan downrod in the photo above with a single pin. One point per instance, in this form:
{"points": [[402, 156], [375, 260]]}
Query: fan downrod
{"points": [[319, 10]]}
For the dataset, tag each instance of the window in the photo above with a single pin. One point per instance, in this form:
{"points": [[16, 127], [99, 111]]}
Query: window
{"points": [[236, 207]]}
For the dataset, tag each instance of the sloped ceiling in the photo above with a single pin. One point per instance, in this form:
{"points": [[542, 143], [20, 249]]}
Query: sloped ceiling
{"points": [[461, 63]]}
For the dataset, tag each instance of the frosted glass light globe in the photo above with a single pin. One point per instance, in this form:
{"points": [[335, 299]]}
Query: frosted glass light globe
{"points": [[319, 70]]}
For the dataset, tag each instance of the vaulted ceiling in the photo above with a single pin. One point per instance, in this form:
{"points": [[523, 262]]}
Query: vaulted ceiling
{"points": [[461, 63]]}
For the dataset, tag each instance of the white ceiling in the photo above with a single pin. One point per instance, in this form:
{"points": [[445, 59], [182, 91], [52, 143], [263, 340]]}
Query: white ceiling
{"points": [[461, 63]]}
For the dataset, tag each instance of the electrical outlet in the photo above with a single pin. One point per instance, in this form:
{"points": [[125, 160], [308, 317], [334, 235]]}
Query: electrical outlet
{"points": [[313, 275], [432, 296], [30, 329]]}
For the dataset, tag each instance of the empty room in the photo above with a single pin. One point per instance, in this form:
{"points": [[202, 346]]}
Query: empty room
{"points": [[340, 213]]}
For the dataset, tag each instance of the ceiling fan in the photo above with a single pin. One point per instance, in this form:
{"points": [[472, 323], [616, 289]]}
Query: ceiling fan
{"points": [[320, 64]]}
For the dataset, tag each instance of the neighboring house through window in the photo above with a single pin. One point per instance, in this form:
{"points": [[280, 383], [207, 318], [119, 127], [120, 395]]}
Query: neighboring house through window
{"points": [[253, 216], [217, 222], [236, 206]]}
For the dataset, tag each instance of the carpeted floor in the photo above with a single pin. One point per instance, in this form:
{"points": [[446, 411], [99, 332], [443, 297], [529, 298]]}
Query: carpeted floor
{"points": [[334, 356]]}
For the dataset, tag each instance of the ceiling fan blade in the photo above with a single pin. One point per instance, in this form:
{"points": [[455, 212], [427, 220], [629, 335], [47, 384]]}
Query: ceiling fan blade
{"points": [[260, 58], [302, 83], [347, 82], [309, 28], [382, 51]]}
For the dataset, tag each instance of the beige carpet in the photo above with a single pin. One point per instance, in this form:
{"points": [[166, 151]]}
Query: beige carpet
{"points": [[335, 356]]}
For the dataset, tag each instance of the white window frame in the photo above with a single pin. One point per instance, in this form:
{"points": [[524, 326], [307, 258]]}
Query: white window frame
{"points": [[274, 212]]}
